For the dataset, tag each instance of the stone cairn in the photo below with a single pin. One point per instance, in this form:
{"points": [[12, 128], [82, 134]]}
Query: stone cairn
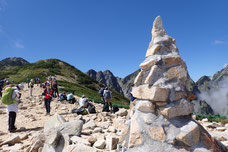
{"points": [[161, 116]]}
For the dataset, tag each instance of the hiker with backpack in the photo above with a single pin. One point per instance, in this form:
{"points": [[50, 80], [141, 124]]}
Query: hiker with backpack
{"points": [[63, 96], [11, 98], [83, 101], [108, 99], [101, 94], [47, 98], [1, 87], [31, 85], [71, 98], [55, 89]]}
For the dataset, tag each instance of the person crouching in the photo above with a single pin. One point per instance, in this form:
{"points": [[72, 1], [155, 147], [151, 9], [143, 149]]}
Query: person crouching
{"points": [[47, 99]]}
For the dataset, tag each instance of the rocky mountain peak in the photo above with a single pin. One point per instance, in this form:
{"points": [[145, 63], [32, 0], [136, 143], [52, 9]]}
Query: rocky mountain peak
{"points": [[10, 62]]}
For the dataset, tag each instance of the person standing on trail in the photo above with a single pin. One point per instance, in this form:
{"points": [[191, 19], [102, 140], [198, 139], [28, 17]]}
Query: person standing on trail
{"points": [[47, 99], [108, 97], [27, 81], [55, 89], [101, 94], [12, 109], [31, 85]]}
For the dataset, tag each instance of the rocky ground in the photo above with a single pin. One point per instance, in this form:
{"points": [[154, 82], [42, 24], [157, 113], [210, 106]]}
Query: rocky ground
{"points": [[100, 132], [31, 120]]}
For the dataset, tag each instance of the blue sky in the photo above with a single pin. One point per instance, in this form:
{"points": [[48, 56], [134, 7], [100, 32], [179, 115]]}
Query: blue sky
{"points": [[114, 34]]}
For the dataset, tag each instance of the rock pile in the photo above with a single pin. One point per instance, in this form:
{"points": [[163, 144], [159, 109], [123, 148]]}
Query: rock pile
{"points": [[161, 115]]}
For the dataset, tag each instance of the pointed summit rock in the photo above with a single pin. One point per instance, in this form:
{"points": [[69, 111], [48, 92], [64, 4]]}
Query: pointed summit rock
{"points": [[161, 116]]}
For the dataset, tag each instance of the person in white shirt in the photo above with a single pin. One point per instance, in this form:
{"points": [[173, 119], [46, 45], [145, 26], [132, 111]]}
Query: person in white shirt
{"points": [[83, 102], [12, 109]]}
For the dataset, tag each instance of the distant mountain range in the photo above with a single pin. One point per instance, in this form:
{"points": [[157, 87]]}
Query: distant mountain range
{"points": [[8, 63], [121, 85], [69, 78]]}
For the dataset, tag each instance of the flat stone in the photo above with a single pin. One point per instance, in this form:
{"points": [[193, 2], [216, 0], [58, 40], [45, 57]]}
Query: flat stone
{"points": [[148, 64], [12, 140], [177, 72], [100, 144], [154, 75], [145, 106], [76, 139], [151, 93], [153, 50], [170, 60], [122, 112], [97, 130], [157, 133], [178, 110], [89, 125], [79, 147], [189, 134], [221, 128], [138, 79]]}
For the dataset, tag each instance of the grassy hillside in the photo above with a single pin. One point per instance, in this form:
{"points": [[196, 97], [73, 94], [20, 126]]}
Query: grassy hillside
{"points": [[70, 79]]}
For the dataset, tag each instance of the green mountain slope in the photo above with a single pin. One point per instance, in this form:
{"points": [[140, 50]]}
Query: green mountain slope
{"points": [[69, 78]]}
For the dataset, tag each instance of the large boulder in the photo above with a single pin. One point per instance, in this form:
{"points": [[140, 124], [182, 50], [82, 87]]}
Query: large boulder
{"points": [[53, 122]]}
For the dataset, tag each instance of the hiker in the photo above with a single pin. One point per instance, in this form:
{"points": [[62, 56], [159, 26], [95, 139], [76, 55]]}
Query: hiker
{"points": [[50, 78], [108, 97], [83, 101], [12, 108], [55, 89], [1, 87], [101, 94], [132, 98], [27, 81], [63, 96], [31, 85], [47, 99], [71, 98]]}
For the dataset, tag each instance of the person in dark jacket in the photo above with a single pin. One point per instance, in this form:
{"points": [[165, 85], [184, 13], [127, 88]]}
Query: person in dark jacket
{"points": [[47, 99], [55, 89]]}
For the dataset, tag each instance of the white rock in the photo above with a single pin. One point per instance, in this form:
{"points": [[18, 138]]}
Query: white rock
{"points": [[100, 144]]}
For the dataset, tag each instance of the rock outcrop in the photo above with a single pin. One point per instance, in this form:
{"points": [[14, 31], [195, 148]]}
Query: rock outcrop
{"points": [[8, 63], [161, 116]]}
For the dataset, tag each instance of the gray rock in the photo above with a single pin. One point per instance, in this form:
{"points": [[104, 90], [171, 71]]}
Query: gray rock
{"points": [[100, 144], [89, 125], [54, 121], [12, 140]]}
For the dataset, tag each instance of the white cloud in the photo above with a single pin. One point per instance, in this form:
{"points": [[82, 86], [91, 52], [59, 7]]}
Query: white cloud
{"points": [[217, 42], [18, 45], [225, 65]]}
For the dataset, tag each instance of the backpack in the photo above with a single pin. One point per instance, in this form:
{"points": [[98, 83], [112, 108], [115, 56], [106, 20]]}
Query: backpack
{"points": [[101, 91], [105, 107], [7, 96], [80, 111], [91, 108], [115, 108], [107, 95]]}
